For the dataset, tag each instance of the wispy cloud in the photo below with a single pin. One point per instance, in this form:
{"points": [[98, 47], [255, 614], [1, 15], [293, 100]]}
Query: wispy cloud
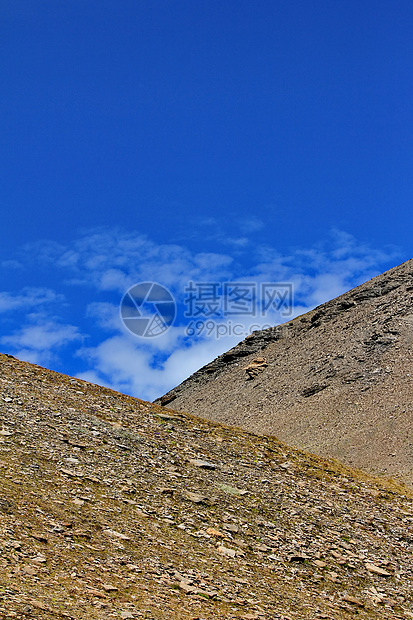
{"points": [[38, 341], [107, 262], [326, 270], [113, 260], [28, 298], [250, 225], [118, 362]]}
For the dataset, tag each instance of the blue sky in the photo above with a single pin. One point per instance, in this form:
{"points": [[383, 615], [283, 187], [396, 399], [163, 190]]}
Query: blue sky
{"points": [[170, 141]]}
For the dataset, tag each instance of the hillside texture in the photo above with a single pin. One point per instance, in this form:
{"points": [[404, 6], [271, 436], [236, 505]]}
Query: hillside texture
{"points": [[336, 381], [111, 507]]}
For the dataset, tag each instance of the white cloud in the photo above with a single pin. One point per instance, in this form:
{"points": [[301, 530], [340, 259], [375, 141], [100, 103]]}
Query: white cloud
{"points": [[250, 224], [114, 260], [184, 362], [122, 364], [42, 337], [230, 231], [44, 250], [323, 287], [325, 271], [28, 298], [36, 334], [41, 358], [113, 280], [110, 261], [105, 315]]}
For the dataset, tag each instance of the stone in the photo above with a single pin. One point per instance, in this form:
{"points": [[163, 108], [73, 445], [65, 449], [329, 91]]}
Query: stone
{"points": [[165, 491], [71, 472], [196, 498], [255, 367], [231, 553], [186, 587], [40, 537], [213, 532], [353, 600], [96, 593], [115, 534], [297, 557], [202, 464], [38, 605], [377, 570], [227, 488]]}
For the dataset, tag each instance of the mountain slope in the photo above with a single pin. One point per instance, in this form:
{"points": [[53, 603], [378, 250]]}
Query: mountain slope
{"points": [[336, 381], [111, 507]]}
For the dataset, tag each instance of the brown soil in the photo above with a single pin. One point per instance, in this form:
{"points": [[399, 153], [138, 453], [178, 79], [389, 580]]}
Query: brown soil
{"points": [[111, 507]]}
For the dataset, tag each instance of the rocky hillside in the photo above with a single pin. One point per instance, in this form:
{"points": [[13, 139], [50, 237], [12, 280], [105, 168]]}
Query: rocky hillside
{"points": [[336, 381], [111, 507]]}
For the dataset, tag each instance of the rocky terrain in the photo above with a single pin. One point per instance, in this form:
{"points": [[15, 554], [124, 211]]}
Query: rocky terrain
{"points": [[336, 381], [111, 507]]}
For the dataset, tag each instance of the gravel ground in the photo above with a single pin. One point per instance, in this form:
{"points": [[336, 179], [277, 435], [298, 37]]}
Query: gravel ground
{"points": [[111, 507], [336, 381]]}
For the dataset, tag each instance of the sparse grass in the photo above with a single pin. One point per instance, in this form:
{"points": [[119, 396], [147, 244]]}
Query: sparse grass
{"points": [[44, 501]]}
